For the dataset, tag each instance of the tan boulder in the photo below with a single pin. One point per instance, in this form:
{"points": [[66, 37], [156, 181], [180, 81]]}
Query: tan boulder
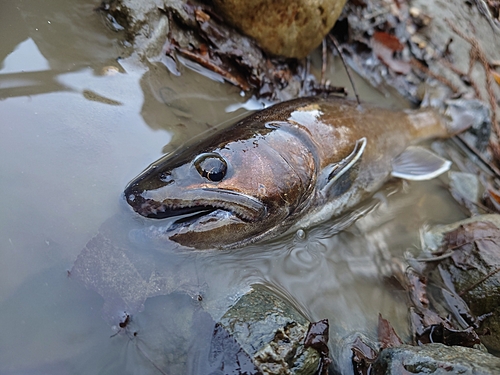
{"points": [[290, 28]]}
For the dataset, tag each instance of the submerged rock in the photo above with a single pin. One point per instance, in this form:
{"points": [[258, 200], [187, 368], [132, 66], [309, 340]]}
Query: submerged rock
{"points": [[271, 333], [285, 28], [435, 359]]}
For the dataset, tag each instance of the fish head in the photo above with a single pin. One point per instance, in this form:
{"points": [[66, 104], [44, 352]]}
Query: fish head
{"points": [[232, 191]]}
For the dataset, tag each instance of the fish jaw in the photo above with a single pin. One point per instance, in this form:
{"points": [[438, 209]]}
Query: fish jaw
{"points": [[169, 202], [204, 217]]}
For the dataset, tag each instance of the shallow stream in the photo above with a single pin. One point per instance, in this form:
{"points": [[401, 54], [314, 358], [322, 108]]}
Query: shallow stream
{"points": [[77, 124]]}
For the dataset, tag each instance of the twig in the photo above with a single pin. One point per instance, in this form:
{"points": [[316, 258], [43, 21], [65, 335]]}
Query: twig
{"points": [[417, 64], [436, 258], [337, 47], [324, 61], [479, 282], [476, 152], [459, 73]]}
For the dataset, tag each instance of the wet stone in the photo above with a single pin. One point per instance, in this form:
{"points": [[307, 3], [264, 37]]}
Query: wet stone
{"points": [[270, 332], [435, 359], [145, 26], [286, 28]]}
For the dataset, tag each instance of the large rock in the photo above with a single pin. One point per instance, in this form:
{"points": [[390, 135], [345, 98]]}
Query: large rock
{"points": [[290, 28], [435, 359], [269, 333]]}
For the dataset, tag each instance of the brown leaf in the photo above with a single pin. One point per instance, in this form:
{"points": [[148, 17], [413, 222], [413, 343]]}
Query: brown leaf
{"points": [[421, 316], [438, 333], [471, 238], [363, 356], [201, 16], [387, 337], [494, 198], [417, 288], [387, 40], [384, 46], [496, 76], [317, 336]]}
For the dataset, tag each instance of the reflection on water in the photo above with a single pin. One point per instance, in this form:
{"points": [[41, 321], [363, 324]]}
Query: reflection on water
{"points": [[26, 57], [73, 135]]}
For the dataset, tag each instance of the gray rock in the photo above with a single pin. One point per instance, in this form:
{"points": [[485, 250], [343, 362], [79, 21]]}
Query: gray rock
{"points": [[435, 359], [143, 22], [272, 333]]}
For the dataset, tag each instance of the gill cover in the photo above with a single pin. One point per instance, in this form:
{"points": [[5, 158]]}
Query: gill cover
{"points": [[338, 177]]}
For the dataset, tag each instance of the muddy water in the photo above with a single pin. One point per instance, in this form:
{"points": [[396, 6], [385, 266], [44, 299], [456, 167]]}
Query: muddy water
{"points": [[77, 124]]}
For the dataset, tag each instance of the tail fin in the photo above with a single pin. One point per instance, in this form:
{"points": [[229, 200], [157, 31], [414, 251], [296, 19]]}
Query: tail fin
{"points": [[467, 113]]}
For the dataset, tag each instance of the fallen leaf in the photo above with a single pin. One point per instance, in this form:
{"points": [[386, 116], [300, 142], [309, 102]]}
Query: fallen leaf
{"points": [[109, 265], [472, 238], [389, 41], [385, 46], [363, 356], [494, 198], [317, 338], [496, 76], [387, 336]]}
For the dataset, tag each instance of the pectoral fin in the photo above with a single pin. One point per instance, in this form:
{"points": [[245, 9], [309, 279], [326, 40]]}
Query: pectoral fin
{"points": [[338, 177], [417, 164]]}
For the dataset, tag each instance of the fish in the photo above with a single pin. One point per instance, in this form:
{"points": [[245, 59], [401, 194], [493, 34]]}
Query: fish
{"points": [[289, 166]]}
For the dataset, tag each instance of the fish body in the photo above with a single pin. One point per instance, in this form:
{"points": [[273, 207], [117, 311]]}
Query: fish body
{"points": [[300, 161]]}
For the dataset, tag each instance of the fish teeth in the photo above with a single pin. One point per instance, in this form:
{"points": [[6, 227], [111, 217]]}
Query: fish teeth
{"points": [[171, 205]]}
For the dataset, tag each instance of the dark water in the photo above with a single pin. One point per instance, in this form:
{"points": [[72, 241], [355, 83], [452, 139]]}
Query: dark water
{"points": [[77, 124]]}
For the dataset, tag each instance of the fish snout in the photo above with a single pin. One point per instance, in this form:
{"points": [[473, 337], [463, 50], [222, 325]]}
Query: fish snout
{"points": [[146, 207], [134, 199]]}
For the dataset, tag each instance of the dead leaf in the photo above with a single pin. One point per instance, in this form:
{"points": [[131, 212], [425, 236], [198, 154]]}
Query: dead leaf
{"points": [[493, 197], [109, 264], [228, 355], [389, 41], [470, 239], [387, 337], [201, 16], [363, 356], [496, 76], [385, 46], [317, 338]]}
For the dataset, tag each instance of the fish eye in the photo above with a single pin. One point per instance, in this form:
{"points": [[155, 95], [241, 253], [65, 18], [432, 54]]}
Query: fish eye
{"points": [[211, 166]]}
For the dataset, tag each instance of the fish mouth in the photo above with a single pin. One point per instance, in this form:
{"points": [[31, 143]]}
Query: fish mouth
{"points": [[196, 203]]}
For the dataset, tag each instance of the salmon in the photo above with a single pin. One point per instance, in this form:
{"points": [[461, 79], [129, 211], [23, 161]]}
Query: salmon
{"points": [[292, 165]]}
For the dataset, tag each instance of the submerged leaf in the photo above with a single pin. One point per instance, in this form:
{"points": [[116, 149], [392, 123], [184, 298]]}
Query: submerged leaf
{"points": [[125, 275], [363, 356], [386, 335]]}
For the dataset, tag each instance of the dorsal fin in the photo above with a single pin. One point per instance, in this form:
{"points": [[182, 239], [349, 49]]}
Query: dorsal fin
{"points": [[418, 164]]}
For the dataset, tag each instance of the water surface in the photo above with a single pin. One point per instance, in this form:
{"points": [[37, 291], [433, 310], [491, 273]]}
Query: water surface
{"points": [[78, 122]]}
